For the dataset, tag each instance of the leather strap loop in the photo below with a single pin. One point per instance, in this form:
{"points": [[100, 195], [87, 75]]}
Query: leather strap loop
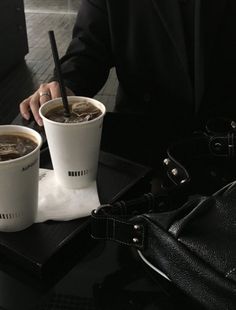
{"points": [[218, 140], [116, 229], [118, 222]]}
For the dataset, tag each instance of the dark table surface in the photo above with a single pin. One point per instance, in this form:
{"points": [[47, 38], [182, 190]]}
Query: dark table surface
{"points": [[107, 276], [104, 276]]}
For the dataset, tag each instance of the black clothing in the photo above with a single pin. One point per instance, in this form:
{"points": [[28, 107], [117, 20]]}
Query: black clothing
{"points": [[187, 15], [144, 41]]}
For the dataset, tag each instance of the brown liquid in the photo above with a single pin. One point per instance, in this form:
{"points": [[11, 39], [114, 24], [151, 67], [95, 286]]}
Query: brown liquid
{"points": [[13, 146], [79, 112]]}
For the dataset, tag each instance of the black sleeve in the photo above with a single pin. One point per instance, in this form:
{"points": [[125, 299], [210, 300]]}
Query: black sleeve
{"points": [[88, 59]]}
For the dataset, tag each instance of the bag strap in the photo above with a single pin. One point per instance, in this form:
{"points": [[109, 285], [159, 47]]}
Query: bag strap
{"points": [[218, 141], [112, 222], [120, 221]]}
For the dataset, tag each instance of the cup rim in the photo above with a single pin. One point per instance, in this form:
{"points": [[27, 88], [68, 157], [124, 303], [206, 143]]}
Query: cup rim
{"points": [[23, 129], [73, 98]]}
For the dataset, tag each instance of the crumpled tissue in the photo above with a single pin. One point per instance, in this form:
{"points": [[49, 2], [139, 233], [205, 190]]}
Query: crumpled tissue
{"points": [[62, 204]]}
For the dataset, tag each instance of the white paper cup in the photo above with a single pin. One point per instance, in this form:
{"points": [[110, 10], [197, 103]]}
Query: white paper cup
{"points": [[19, 184], [74, 147]]}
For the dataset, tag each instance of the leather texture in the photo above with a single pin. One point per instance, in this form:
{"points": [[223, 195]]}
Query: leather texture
{"points": [[186, 230], [205, 161], [194, 245]]}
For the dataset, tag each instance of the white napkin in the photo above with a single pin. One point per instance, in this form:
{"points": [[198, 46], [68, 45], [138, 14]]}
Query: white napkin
{"points": [[58, 203]]}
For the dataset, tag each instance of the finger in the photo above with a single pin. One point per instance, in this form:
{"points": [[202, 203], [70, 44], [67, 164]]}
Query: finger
{"points": [[24, 108], [44, 94], [34, 106], [44, 97], [54, 89]]}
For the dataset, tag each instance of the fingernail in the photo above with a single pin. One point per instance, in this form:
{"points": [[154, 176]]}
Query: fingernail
{"points": [[26, 116], [40, 122]]}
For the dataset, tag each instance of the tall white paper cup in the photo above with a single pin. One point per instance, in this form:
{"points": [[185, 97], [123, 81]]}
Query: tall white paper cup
{"points": [[74, 147], [19, 184]]}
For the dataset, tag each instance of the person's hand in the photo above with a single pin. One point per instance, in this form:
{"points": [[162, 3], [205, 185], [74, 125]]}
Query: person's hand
{"points": [[44, 93]]}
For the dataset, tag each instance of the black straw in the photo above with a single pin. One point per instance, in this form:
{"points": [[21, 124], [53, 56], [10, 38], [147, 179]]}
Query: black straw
{"points": [[59, 74]]}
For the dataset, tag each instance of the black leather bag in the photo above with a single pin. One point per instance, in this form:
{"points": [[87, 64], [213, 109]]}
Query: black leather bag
{"points": [[203, 162], [185, 235], [193, 246]]}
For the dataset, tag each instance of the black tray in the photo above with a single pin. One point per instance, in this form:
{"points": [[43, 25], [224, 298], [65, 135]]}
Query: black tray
{"points": [[46, 250]]}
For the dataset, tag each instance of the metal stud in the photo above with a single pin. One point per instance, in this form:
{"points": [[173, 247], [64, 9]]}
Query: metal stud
{"points": [[233, 124], [166, 161], [217, 145], [136, 227], [183, 181], [135, 240], [174, 171]]}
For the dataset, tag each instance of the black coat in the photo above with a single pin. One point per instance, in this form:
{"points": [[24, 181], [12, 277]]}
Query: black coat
{"points": [[144, 41]]}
